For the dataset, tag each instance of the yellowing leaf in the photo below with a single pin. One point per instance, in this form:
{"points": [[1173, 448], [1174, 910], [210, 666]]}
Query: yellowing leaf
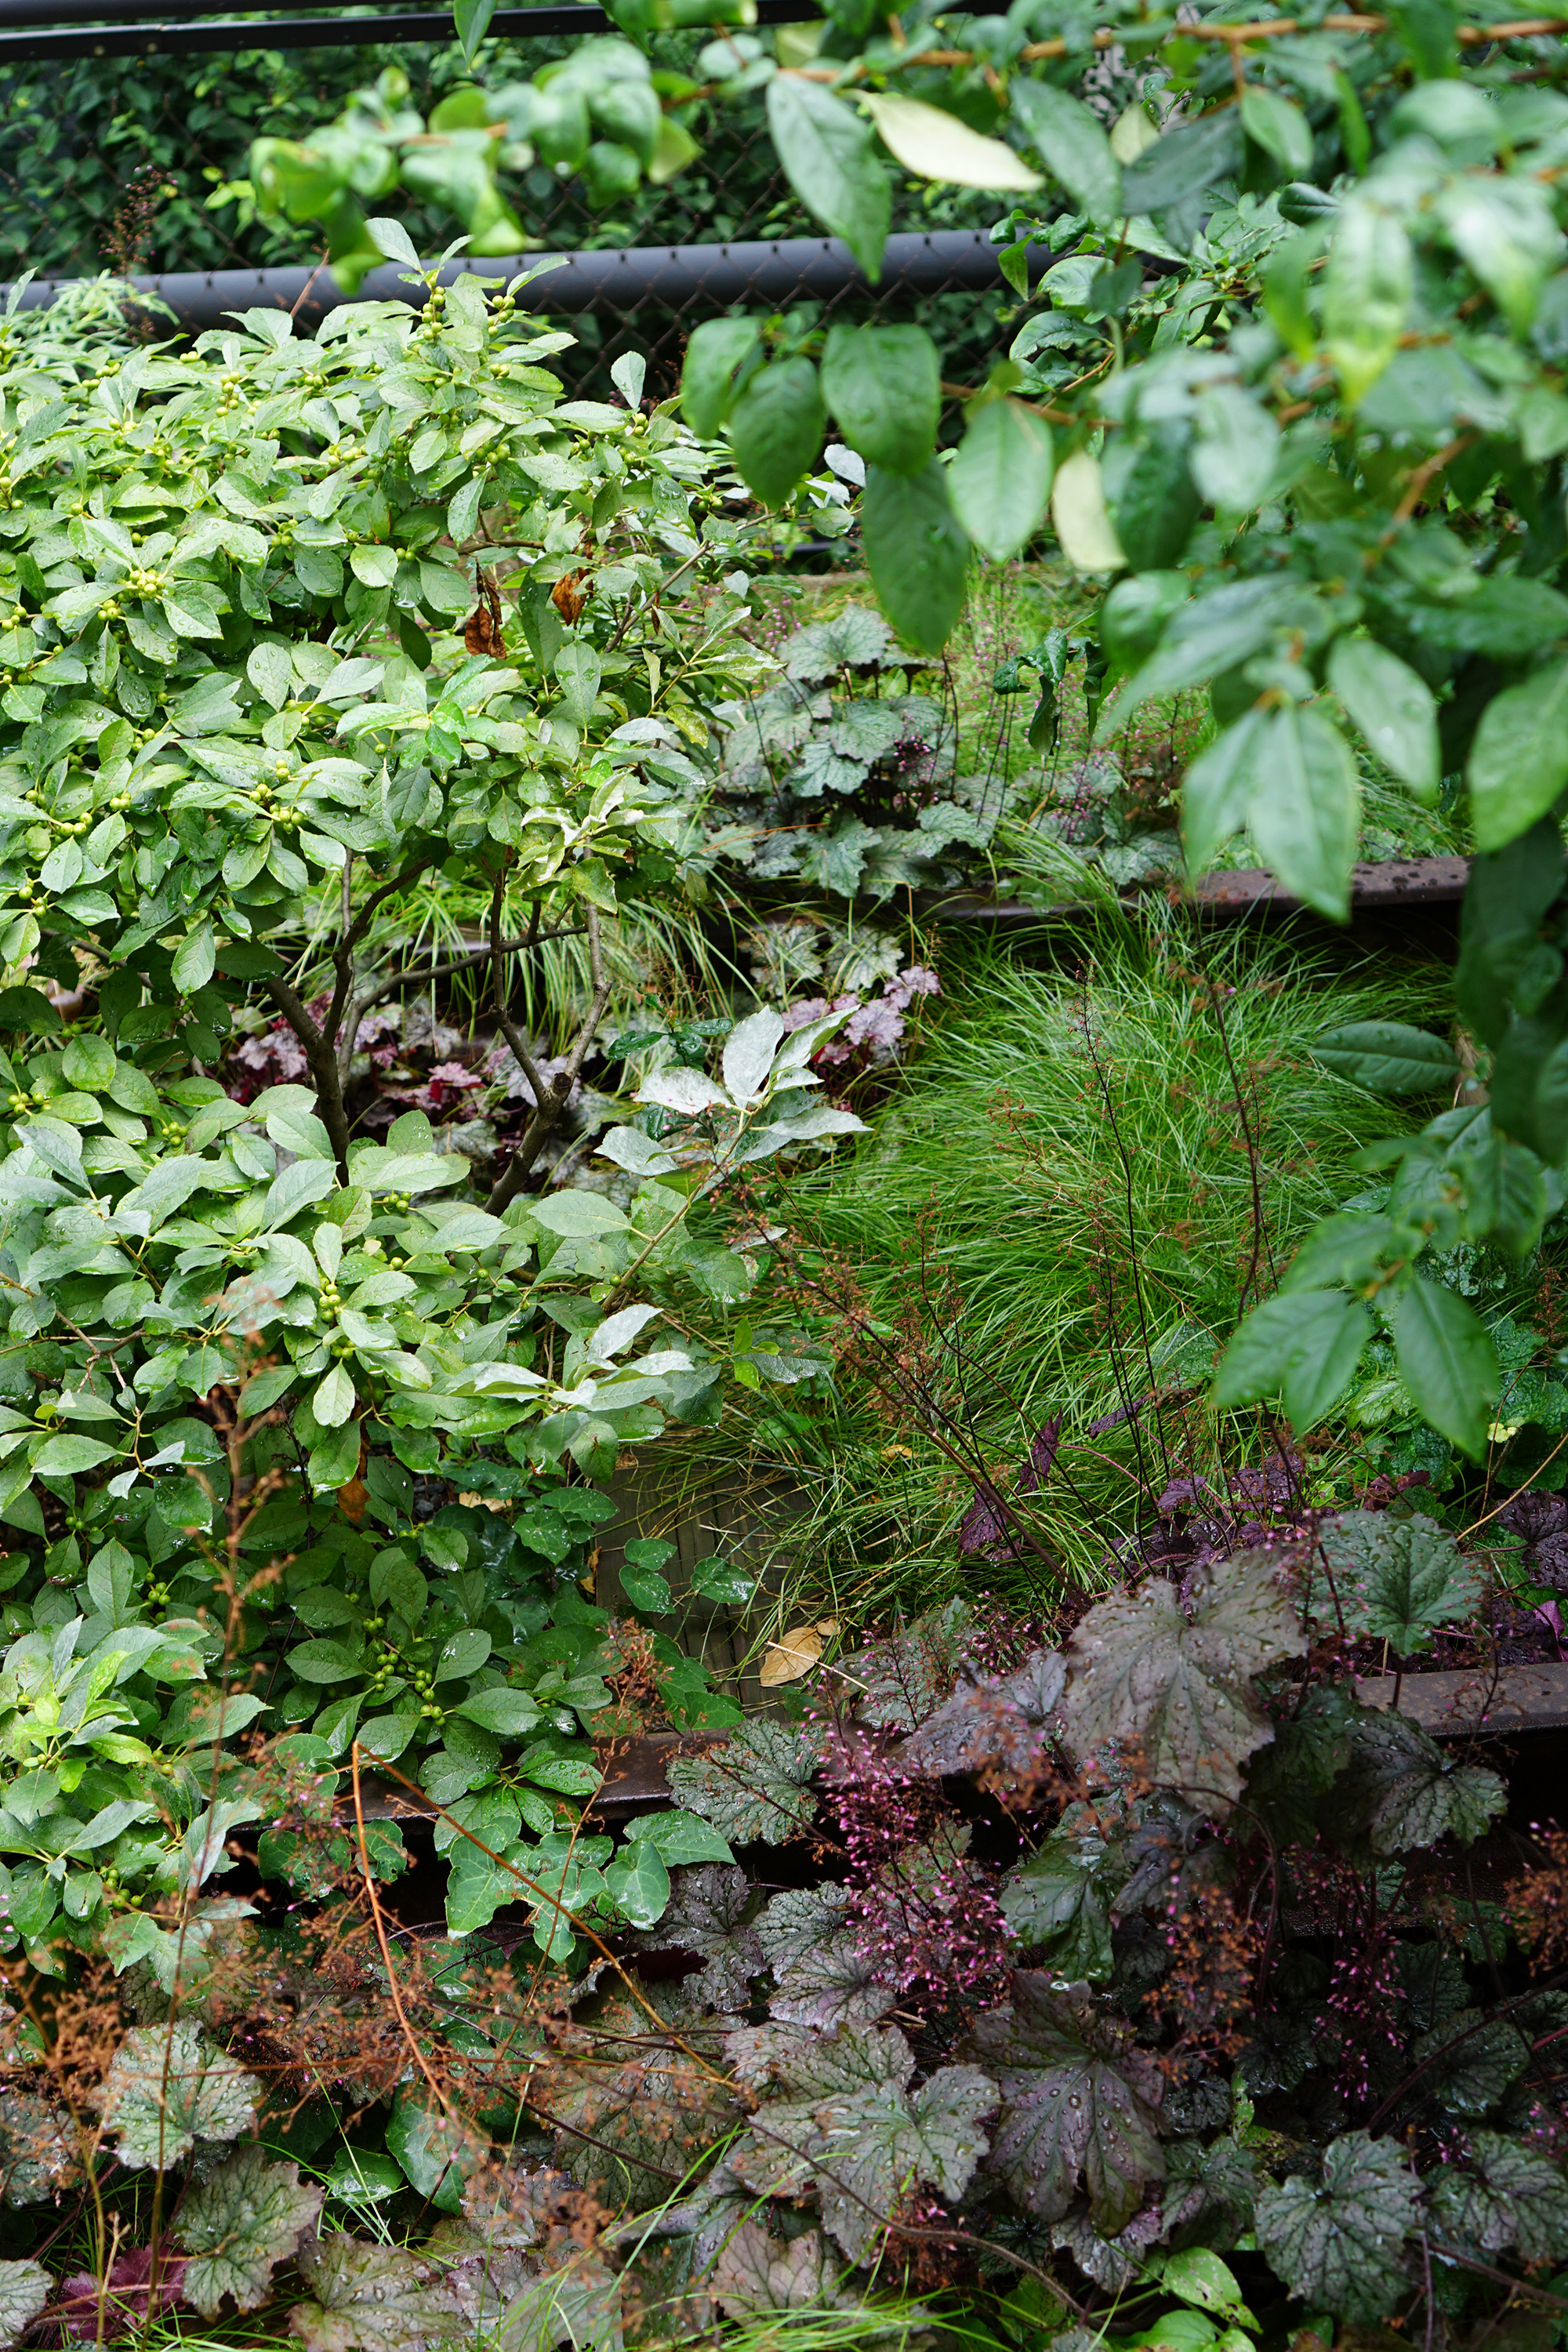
{"points": [[1078, 510], [1133, 132], [940, 147], [792, 1655]]}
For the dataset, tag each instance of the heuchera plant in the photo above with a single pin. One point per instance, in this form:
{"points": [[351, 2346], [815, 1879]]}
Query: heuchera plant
{"points": [[1140, 1985]]}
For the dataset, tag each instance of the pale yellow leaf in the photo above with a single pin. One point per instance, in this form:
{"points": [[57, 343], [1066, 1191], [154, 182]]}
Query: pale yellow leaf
{"points": [[940, 147], [1078, 510], [792, 1655], [1131, 132], [796, 45]]}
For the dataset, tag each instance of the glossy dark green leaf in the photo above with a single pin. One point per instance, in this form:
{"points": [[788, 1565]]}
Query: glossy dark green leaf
{"points": [[715, 354], [883, 385], [471, 20], [1150, 494], [435, 2150], [1305, 814], [1401, 1792], [1286, 284], [1505, 1195], [918, 554], [1214, 632], [1519, 761], [1367, 288], [1448, 1363], [1071, 143], [1058, 1904], [1280, 128], [1135, 611], [1218, 789], [1395, 709], [1000, 480], [1346, 1249], [638, 1881], [1183, 163], [646, 1591], [1304, 1345], [829, 157], [775, 425], [1389, 1058]]}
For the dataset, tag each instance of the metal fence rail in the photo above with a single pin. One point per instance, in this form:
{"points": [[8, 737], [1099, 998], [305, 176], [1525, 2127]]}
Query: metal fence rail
{"points": [[139, 162], [672, 277], [119, 28]]}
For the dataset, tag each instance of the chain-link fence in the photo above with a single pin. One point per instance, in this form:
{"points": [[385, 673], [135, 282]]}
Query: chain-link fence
{"points": [[139, 164]]}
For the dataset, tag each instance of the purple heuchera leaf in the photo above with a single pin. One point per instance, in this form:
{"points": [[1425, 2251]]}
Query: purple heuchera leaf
{"points": [[708, 1916], [1080, 2103], [988, 1523], [985, 1524], [874, 1031], [1182, 1494], [1534, 1516], [986, 1725], [1549, 1563], [125, 2304], [1040, 1456]]}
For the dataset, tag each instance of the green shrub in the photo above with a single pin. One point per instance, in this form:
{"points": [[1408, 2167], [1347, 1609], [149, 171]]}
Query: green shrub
{"points": [[241, 1338]]}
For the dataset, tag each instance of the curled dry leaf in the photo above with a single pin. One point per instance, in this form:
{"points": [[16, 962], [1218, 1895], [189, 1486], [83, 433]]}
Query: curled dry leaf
{"points": [[796, 1653], [569, 595], [482, 629]]}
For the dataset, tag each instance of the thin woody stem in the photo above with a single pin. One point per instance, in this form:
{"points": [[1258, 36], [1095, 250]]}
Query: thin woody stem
{"points": [[550, 1100]]}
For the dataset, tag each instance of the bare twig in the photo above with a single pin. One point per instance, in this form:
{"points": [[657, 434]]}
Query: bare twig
{"points": [[549, 1100]]}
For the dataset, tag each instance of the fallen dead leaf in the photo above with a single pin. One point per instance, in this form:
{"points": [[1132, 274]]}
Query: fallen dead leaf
{"points": [[796, 1653]]}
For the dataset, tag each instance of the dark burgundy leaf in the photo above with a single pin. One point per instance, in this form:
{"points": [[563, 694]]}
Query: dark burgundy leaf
{"points": [[123, 2305], [1040, 1456], [988, 1725], [1536, 1518], [985, 1523], [1182, 1494], [988, 1523], [1549, 1563]]}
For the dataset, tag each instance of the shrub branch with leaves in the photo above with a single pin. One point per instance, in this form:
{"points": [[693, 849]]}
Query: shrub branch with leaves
{"points": [[238, 1332]]}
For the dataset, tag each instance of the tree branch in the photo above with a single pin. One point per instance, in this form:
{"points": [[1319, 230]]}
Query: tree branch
{"points": [[549, 1101], [320, 1057], [415, 866]]}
